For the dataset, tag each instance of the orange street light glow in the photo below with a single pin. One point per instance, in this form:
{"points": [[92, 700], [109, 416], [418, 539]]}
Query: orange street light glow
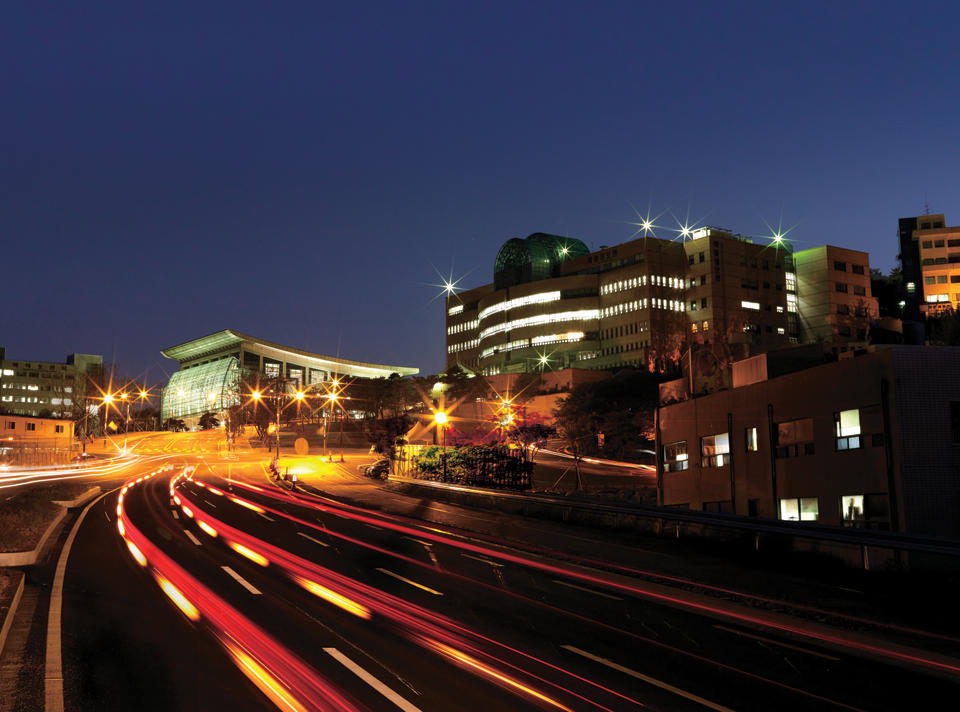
{"points": [[440, 417]]}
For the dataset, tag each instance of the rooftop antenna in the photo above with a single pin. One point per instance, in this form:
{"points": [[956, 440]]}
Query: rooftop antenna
{"points": [[926, 204]]}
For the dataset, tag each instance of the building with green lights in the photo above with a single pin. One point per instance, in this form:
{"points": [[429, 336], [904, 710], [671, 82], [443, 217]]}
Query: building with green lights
{"points": [[210, 368], [555, 304]]}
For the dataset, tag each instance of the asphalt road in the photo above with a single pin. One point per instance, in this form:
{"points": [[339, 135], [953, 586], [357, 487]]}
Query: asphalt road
{"points": [[248, 597]]}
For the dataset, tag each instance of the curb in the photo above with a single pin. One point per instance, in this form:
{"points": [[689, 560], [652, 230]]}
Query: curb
{"points": [[85, 497], [8, 619], [28, 558]]}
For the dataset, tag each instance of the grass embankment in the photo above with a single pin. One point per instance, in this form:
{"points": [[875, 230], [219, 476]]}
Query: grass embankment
{"points": [[26, 515]]}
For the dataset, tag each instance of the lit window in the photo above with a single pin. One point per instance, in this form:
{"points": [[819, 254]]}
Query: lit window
{"points": [[705, 325], [751, 436], [675, 456], [750, 306], [795, 438], [848, 430], [694, 327], [802, 509], [779, 310], [715, 450], [781, 330]]}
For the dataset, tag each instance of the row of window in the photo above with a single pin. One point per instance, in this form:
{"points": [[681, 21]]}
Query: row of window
{"points": [[31, 427], [625, 330], [794, 439], [932, 244], [842, 267], [950, 259], [868, 511], [942, 279], [844, 288]]}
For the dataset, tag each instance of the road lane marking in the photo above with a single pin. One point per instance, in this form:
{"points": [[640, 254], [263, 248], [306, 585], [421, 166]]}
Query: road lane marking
{"points": [[776, 642], [242, 581], [265, 517], [372, 681], [478, 558], [107, 516], [412, 583], [53, 675], [379, 529], [192, 538], [171, 501], [317, 541], [425, 543], [175, 515], [647, 678], [589, 590]]}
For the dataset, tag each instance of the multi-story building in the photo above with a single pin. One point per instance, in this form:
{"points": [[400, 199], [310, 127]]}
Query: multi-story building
{"points": [[870, 440], [34, 387], [930, 264], [834, 300], [554, 304], [211, 365]]}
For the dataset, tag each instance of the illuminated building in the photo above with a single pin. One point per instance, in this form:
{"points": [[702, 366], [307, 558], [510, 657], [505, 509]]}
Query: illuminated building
{"points": [[554, 304], [868, 440], [930, 264], [28, 440], [212, 365], [32, 387]]}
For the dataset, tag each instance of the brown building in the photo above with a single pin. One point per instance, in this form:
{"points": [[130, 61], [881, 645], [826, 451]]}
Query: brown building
{"points": [[28, 440], [871, 440], [554, 304]]}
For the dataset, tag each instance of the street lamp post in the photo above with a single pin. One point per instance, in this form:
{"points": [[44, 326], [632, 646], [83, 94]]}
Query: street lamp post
{"points": [[441, 419]]}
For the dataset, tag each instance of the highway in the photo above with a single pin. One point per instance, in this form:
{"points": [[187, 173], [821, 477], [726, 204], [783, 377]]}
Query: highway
{"points": [[199, 584]]}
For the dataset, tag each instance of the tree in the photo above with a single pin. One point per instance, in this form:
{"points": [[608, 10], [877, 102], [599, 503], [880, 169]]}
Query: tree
{"points": [[174, 425], [529, 430], [385, 434], [945, 329], [209, 421]]}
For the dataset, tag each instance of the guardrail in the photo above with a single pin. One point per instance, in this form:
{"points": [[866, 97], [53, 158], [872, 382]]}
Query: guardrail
{"points": [[858, 547]]}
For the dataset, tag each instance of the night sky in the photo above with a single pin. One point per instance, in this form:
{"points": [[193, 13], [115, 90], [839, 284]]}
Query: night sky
{"points": [[304, 172]]}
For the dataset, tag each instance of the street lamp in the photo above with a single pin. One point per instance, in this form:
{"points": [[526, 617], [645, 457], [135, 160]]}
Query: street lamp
{"points": [[107, 400], [441, 419]]}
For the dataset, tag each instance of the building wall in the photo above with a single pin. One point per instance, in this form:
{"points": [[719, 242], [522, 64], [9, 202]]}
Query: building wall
{"points": [[26, 440], [30, 387], [833, 286], [814, 466], [939, 254], [928, 382]]}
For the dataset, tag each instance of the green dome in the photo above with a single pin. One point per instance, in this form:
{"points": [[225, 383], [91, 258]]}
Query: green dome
{"points": [[537, 257]]}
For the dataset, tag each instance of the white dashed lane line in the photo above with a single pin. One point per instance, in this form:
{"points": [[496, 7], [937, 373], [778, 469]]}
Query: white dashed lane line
{"points": [[316, 541], [412, 583], [239, 579], [192, 538], [372, 681]]}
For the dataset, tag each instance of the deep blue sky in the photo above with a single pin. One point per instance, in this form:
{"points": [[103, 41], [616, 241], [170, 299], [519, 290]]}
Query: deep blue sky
{"points": [[300, 171]]}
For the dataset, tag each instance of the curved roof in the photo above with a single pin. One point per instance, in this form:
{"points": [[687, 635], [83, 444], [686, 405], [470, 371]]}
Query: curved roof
{"points": [[227, 339], [537, 257]]}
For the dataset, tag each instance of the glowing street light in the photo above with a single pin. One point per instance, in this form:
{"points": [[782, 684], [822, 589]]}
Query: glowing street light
{"points": [[441, 419]]}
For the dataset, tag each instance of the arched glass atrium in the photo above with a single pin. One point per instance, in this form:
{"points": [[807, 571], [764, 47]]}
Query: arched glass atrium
{"points": [[210, 387]]}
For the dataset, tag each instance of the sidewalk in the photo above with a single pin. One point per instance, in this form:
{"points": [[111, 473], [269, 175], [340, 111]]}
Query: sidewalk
{"points": [[914, 610]]}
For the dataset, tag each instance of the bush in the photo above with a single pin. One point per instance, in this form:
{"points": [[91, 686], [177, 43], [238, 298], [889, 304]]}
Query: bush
{"points": [[495, 466]]}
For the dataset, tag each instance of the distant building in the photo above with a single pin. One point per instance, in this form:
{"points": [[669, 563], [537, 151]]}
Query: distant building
{"points": [[211, 365], [26, 440], [34, 387], [871, 440], [930, 264], [554, 304]]}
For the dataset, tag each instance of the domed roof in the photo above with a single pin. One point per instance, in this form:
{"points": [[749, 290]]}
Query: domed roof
{"points": [[537, 257]]}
